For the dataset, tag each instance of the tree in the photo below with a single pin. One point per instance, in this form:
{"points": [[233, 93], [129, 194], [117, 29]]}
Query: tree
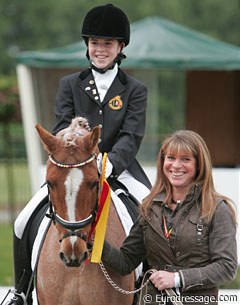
{"points": [[33, 25]]}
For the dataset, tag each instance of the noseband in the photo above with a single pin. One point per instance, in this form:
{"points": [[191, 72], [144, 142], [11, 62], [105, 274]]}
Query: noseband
{"points": [[74, 228]]}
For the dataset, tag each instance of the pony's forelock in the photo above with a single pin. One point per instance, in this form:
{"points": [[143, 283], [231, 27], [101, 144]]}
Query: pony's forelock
{"points": [[79, 127]]}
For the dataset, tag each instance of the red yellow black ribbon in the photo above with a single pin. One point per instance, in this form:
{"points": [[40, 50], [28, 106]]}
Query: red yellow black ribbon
{"points": [[100, 224], [167, 231]]}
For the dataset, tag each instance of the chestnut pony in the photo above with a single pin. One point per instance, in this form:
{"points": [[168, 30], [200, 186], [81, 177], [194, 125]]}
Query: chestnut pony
{"points": [[73, 181]]}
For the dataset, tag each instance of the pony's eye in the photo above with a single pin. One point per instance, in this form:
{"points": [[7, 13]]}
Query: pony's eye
{"points": [[49, 184], [93, 184]]}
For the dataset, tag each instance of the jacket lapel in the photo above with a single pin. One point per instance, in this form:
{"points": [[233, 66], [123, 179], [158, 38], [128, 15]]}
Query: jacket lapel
{"points": [[89, 87]]}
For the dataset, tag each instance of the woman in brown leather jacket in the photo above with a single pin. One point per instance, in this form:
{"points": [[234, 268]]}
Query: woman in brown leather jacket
{"points": [[186, 230]]}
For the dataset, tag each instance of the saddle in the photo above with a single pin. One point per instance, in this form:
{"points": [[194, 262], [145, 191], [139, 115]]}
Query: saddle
{"points": [[130, 202], [33, 224]]}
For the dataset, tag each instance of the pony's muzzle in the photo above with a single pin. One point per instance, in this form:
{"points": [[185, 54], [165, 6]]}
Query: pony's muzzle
{"points": [[73, 262]]}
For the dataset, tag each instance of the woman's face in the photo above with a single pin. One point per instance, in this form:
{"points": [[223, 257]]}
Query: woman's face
{"points": [[180, 169], [103, 51]]}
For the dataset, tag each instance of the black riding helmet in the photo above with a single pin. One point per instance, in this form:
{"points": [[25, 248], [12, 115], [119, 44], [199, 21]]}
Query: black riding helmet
{"points": [[106, 21]]}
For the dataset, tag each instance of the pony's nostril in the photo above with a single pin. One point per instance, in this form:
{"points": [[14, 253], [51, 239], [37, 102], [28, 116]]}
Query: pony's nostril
{"points": [[62, 256], [73, 263]]}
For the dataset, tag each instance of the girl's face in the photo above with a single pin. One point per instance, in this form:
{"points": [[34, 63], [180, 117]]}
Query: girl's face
{"points": [[180, 169], [103, 51]]}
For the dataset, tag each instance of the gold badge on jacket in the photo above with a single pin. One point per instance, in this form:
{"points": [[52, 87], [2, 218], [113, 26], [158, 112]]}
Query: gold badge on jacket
{"points": [[115, 103]]}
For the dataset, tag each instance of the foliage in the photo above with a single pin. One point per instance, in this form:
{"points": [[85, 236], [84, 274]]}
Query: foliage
{"points": [[9, 100], [11, 133], [15, 145], [32, 25]]}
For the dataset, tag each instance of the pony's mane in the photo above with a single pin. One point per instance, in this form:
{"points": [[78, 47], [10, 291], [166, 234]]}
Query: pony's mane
{"points": [[79, 127]]}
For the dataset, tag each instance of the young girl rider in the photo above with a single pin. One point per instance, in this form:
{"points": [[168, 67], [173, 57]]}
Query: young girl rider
{"points": [[107, 97]]}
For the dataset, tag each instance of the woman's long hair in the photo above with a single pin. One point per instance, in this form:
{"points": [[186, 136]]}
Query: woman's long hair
{"points": [[187, 141]]}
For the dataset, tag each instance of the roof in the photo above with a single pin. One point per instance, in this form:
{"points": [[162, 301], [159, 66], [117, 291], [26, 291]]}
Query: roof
{"points": [[155, 43]]}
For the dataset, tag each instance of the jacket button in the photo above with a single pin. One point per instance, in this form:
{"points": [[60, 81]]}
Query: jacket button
{"points": [[100, 111]]}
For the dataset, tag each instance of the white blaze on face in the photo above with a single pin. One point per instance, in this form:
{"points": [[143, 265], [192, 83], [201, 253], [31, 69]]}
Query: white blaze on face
{"points": [[72, 185]]}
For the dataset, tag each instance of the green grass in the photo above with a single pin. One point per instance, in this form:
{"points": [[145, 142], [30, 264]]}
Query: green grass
{"points": [[6, 259], [15, 193]]}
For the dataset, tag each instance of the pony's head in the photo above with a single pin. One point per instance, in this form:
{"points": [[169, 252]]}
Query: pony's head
{"points": [[73, 180]]}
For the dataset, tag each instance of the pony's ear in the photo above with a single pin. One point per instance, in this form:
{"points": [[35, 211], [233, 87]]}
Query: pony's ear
{"points": [[91, 140], [49, 141]]}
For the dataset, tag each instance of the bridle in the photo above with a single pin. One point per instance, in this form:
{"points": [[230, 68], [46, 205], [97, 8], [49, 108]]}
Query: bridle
{"points": [[72, 165], [73, 228]]}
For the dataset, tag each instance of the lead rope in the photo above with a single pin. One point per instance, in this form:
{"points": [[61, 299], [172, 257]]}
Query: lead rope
{"points": [[123, 291], [174, 298]]}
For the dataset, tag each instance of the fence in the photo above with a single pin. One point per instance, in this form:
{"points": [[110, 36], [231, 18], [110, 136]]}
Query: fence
{"points": [[14, 176], [14, 188]]}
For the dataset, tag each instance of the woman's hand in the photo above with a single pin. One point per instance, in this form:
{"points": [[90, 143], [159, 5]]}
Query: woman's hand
{"points": [[162, 279]]}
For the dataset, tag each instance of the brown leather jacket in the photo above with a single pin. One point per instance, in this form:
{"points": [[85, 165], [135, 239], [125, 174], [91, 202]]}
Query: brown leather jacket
{"points": [[205, 254]]}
